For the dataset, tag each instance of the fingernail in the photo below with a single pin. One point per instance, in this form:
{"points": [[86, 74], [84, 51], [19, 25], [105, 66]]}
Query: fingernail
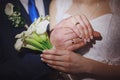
{"points": [[88, 40], [80, 36], [41, 55], [42, 59], [91, 37]]}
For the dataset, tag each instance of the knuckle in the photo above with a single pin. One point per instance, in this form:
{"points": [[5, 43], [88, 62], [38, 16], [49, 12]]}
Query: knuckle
{"points": [[65, 70], [68, 68], [67, 53], [50, 62], [68, 65], [81, 28], [77, 16], [68, 58], [51, 57], [87, 24]]}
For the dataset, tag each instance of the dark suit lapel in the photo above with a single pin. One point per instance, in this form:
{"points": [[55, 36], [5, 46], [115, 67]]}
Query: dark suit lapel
{"points": [[24, 13], [10, 30], [46, 6]]}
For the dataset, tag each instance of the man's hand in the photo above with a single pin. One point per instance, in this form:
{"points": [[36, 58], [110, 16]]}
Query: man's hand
{"points": [[70, 35]]}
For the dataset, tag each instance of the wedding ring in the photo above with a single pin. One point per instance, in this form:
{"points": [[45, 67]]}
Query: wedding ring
{"points": [[73, 41], [80, 37], [75, 22]]}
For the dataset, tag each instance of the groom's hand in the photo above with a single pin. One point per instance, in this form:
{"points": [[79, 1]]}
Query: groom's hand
{"points": [[65, 38]]}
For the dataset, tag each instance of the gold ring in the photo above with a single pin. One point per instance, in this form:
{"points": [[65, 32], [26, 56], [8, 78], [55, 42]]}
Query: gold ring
{"points": [[75, 22], [73, 41], [80, 37]]}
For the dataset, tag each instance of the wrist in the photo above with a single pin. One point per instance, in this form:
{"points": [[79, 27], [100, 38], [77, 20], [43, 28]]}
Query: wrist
{"points": [[86, 66], [90, 66]]}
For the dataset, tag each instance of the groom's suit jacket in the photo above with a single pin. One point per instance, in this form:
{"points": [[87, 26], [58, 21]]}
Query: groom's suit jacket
{"points": [[14, 65]]}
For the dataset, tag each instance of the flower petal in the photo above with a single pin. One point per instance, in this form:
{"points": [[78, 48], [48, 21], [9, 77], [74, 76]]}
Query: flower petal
{"points": [[9, 9], [18, 45], [42, 27], [20, 35]]}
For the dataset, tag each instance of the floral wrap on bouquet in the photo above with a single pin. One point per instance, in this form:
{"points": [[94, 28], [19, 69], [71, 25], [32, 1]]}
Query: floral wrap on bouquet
{"points": [[35, 37]]}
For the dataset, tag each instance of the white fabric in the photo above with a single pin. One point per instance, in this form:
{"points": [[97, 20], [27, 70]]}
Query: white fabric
{"points": [[39, 5], [61, 9]]}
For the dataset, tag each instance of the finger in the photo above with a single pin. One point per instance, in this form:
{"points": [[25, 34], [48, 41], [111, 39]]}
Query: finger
{"points": [[76, 46], [51, 57], [88, 25], [75, 29], [82, 28], [55, 52], [53, 62], [51, 51], [60, 68], [96, 34], [69, 36], [70, 42], [77, 40]]}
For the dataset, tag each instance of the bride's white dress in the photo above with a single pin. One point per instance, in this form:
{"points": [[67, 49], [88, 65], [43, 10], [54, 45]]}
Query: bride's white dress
{"points": [[106, 50]]}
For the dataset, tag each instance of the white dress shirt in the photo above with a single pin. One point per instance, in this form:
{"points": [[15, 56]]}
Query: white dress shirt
{"points": [[39, 6]]}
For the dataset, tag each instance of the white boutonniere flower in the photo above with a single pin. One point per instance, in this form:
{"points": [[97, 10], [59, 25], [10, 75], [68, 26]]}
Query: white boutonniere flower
{"points": [[9, 9], [14, 15], [35, 37]]}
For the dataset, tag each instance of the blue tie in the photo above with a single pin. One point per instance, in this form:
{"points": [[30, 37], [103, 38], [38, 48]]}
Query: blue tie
{"points": [[33, 12]]}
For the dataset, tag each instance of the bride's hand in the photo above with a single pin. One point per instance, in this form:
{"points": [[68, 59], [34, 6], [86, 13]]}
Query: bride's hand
{"points": [[66, 61]]}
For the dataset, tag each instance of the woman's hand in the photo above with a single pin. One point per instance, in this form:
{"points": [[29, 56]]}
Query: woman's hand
{"points": [[66, 61], [80, 26]]}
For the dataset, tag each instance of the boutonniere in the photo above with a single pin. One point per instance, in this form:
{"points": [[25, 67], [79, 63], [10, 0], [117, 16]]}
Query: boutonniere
{"points": [[14, 15]]}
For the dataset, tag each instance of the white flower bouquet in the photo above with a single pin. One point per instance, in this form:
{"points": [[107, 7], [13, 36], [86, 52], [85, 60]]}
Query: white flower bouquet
{"points": [[35, 37]]}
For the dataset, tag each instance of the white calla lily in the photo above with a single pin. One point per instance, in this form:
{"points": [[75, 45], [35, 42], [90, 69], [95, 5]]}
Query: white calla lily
{"points": [[19, 44], [20, 35], [31, 29], [9, 9], [42, 27]]}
